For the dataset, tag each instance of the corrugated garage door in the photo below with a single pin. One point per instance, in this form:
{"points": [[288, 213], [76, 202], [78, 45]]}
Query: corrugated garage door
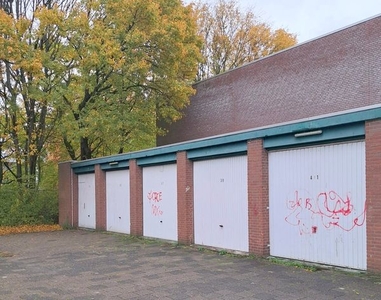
{"points": [[118, 201], [86, 201], [160, 202], [220, 203], [317, 204]]}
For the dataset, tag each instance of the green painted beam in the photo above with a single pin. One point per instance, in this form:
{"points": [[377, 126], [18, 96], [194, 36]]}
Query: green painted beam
{"points": [[320, 123], [84, 169], [115, 165], [349, 131], [220, 150], [158, 159]]}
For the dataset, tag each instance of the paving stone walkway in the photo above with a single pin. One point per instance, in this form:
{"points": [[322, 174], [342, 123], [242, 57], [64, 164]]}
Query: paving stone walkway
{"points": [[77, 264]]}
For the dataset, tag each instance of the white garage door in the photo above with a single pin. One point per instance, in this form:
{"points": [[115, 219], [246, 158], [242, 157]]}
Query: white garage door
{"points": [[86, 201], [118, 201], [160, 202], [221, 203], [317, 204]]}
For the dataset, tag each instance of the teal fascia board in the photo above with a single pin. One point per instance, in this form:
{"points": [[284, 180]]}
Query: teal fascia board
{"points": [[231, 138], [218, 151], [349, 131], [115, 165], [159, 159], [84, 169]]}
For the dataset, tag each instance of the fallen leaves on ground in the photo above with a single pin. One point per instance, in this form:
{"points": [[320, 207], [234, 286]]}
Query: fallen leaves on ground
{"points": [[4, 230], [6, 254]]}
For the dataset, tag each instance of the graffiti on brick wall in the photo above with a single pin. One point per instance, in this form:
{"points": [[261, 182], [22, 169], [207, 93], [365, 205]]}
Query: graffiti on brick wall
{"points": [[154, 198], [326, 211]]}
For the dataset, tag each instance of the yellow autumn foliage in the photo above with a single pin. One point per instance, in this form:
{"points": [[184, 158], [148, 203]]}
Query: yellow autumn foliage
{"points": [[93, 77], [232, 38]]}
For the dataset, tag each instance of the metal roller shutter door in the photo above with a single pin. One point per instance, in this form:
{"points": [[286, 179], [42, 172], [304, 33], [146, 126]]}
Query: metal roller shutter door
{"points": [[118, 201], [86, 201], [160, 202], [221, 203], [318, 205]]}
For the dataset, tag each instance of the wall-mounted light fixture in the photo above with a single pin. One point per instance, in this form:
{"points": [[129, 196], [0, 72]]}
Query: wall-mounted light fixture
{"points": [[114, 163], [308, 133]]}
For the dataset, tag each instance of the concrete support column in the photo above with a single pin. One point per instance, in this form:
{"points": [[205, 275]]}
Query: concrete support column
{"points": [[258, 197], [67, 195], [136, 198], [373, 194], [185, 220], [100, 198]]}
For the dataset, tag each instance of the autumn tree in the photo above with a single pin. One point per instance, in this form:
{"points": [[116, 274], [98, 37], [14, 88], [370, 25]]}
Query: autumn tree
{"points": [[232, 37], [95, 74], [26, 85], [127, 64]]}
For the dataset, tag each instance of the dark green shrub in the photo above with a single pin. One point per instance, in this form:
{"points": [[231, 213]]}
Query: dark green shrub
{"points": [[22, 206]]}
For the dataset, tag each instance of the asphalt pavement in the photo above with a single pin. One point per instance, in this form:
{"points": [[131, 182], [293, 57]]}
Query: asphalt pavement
{"points": [[79, 264]]}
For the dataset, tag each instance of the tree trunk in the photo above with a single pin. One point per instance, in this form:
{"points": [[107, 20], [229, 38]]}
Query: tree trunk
{"points": [[85, 148], [32, 179]]}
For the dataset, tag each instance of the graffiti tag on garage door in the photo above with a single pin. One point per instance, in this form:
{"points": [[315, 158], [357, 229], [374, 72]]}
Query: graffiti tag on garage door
{"points": [[327, 210], [154, 199]]}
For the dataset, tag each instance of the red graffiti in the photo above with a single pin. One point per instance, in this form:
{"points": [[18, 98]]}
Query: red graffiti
{"points": [[329, 209], [299, 202], [154, 196], [156, 211], [334, 208]]}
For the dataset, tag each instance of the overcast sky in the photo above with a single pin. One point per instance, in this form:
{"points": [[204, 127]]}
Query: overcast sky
{"points": [[311, 18]]}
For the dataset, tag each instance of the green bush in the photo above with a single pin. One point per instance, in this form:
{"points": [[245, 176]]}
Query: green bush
{"points": [[22, 206]]}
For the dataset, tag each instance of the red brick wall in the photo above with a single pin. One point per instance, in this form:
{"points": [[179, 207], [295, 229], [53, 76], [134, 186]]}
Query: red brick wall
{"points": [[258, 197], [100, 198], [66, 178], [334, 73], [373, 194], [136, 198], [185, 221]]}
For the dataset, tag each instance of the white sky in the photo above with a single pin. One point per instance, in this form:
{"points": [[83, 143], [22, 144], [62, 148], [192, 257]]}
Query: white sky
{"points": [[311, 18]]}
